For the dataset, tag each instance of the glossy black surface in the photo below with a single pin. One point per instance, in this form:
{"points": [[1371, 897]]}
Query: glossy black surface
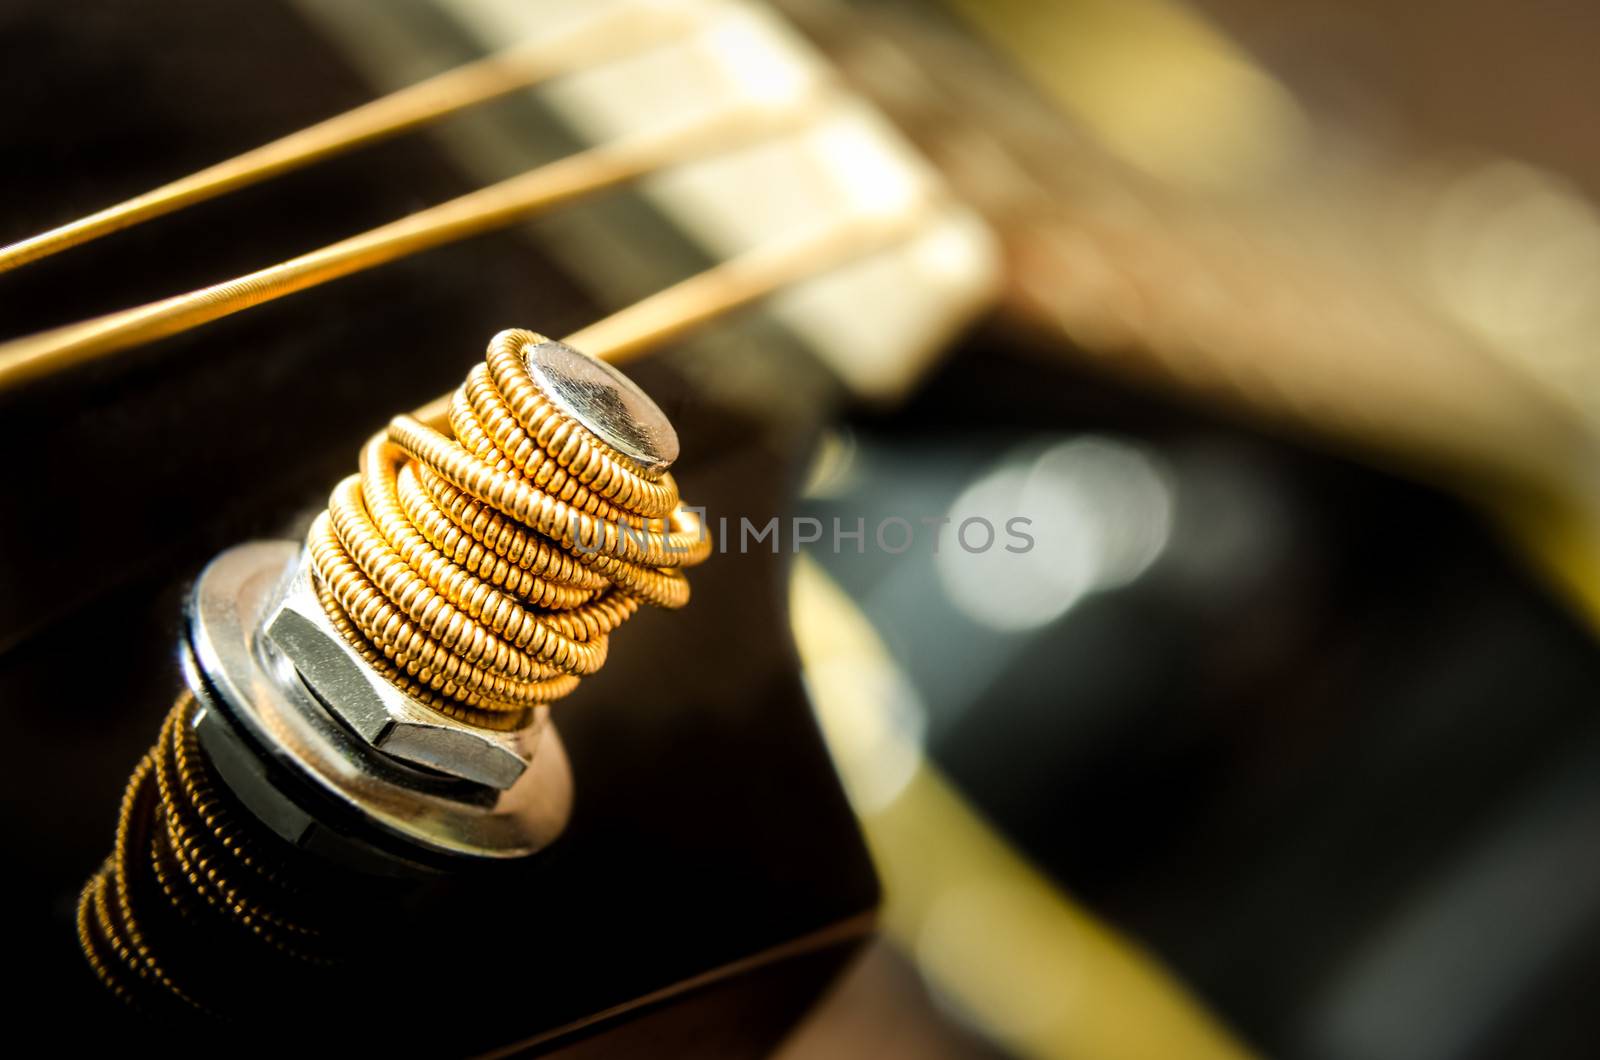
{"points": [[709, 827], [1334, 757]]}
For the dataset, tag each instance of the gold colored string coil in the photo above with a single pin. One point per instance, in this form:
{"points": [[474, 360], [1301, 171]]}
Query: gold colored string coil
{"points": [[187, 860], [479, 562], [483, 571]]}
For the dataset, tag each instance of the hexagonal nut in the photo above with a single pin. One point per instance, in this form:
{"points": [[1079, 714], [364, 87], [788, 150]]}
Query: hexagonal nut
{"points": [[377, 711]]}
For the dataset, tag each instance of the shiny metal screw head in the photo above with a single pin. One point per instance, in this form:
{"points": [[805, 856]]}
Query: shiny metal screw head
{"points": [[605, 401]]}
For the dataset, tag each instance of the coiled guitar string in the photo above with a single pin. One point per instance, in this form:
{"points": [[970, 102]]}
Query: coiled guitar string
{"points": [[187, 860], [482, 572]]}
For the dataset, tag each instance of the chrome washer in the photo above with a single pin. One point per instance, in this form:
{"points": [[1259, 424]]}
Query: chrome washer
{"points": [[232, 661]]}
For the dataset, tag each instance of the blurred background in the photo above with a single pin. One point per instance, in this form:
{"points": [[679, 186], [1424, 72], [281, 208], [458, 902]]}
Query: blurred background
{"points": [[1275, 323]]}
